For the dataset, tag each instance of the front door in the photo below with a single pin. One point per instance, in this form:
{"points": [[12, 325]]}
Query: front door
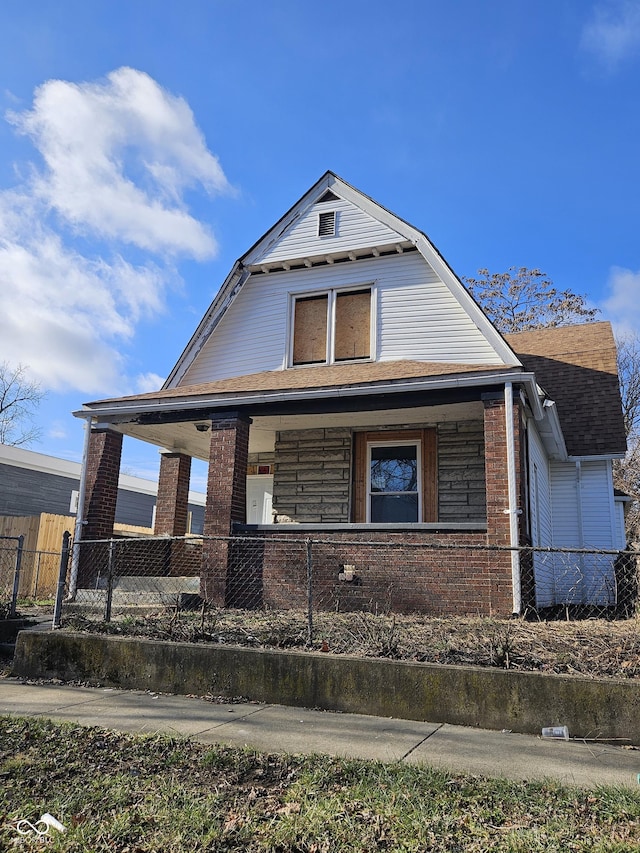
{"points": [[259, 499]]}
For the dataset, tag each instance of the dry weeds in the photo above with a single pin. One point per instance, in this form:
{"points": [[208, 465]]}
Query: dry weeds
{"points": [[591, 647]]}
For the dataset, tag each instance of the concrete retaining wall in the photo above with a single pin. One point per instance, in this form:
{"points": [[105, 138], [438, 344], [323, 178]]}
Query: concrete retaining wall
{"points": [[471, 696]]}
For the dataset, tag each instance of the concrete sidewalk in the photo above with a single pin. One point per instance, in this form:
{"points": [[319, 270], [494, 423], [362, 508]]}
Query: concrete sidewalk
{"points": [[275, 728]]}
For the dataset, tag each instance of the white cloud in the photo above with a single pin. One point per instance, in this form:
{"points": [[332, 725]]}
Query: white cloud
{"points": [[622, 306], [613, 32], [148, 382], [118, 157]]}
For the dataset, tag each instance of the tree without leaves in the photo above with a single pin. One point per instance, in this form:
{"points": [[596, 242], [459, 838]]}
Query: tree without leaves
{"points": [[521, 299], [626, 472], [628, 345], [19, 399]]}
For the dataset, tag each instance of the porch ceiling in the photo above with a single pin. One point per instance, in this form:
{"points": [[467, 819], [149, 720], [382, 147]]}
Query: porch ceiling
{"points": [[186, 438]]}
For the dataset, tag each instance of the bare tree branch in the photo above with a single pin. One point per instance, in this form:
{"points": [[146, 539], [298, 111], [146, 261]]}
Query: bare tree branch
{"points": [[521, 299], [19, 399]]}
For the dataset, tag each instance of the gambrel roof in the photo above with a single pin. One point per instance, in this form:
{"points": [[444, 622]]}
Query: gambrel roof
{"points": [[569, 373], [372, 232]]}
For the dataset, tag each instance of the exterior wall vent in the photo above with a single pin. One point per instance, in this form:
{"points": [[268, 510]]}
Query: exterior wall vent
{"points": [[327, 224], [328, 196]]}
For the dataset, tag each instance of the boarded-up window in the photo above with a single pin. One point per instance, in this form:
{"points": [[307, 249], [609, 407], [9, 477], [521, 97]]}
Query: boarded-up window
{"points": [[353, 321], [310, 330]]}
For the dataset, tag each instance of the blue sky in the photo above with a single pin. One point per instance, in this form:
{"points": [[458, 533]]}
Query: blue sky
{"points": [[144, 146]]}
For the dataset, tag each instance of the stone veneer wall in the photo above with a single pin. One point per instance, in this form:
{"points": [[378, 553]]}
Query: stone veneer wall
{"points": [[311, 480], [461, 472], [312, 474]]}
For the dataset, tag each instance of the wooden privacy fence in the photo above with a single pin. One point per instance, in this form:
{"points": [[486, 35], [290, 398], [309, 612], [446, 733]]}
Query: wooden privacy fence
{"points": [[42, 545], [41, 550]]}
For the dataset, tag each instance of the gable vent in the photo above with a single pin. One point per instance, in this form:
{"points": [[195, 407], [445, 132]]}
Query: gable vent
{"points": [[327, 224], [328, 196]]}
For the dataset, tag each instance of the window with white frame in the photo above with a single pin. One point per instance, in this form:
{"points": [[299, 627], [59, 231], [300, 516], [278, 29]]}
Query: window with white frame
{"points": [[394, 476], [394, 483], [331, 326]]}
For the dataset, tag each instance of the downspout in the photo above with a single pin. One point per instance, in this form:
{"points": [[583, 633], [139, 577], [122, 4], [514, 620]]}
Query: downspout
{"points": [[512, 510], [580, 527], [77, 536]]}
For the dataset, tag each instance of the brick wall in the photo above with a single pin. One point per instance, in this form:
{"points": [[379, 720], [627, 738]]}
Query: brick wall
{"points": [[101, 483], [391, 573], [498, 521]]}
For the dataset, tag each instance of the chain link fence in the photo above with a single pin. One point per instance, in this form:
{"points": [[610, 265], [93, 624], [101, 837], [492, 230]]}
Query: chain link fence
{"points": [[26, 576], [108, 580], [10, 561]]}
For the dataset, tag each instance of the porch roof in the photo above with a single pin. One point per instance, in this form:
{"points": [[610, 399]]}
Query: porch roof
{"points": [[576, 366], [332, 377]]}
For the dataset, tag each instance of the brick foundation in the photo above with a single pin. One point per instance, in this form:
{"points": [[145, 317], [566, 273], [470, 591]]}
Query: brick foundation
{"points": [[391, 573]]}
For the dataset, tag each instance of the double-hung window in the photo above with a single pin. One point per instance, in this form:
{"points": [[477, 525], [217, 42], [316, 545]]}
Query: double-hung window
{"points": [[394, 476], [394, 482], [332, 326]]}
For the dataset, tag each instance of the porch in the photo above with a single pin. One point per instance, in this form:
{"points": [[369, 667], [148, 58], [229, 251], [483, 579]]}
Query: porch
{"points": [[449, 471]]}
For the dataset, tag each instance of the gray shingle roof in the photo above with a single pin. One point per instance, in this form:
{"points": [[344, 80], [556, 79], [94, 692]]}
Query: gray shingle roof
{"points": [[577, 367]]}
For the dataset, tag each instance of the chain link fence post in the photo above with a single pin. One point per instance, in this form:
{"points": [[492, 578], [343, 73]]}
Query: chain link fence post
{"points": [[108, 603], [16, 579], [62, 579], [309, 544]]}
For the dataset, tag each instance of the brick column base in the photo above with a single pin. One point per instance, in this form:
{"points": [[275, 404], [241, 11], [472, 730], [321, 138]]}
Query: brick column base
{"points": [[226, 501], [101, 483], [172, 505], [497, 485], [101, 495]]}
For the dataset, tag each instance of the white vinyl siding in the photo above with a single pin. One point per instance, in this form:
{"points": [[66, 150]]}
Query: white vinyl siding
{"points": [[583, 517], [598, 519], [417, 318], [540, 516], [564, 499], [621, 535], [355, 230]]}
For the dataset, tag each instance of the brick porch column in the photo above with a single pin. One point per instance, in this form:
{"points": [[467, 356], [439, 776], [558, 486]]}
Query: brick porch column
{"points": [[101, 484], [497, 487], [172, 505], [101, 494], [226, 499]]}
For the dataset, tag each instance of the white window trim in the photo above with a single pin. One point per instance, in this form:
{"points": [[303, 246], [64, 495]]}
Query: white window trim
{"points": [[417, 443], [332, 293]]}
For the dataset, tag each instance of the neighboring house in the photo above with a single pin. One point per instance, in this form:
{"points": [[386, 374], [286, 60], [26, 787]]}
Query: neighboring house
{"points": [[344, 378], [32, 483]]}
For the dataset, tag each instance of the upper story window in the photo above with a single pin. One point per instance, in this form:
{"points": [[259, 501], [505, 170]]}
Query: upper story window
{"points": [[331, 326]]}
